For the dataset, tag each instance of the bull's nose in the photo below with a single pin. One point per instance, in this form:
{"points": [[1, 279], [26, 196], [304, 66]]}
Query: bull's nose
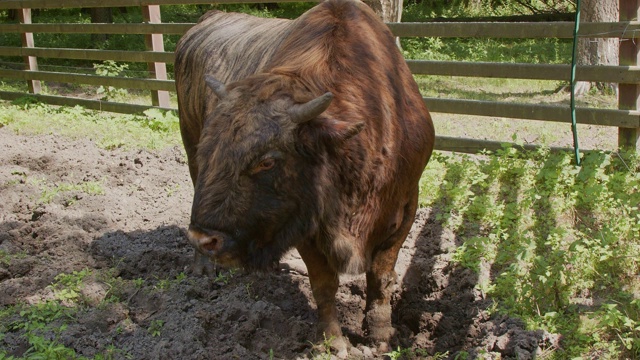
{"points": [[209, 242]]}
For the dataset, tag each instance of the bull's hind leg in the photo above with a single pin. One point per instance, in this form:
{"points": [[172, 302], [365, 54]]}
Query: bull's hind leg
{"points": [[324, 285], [382, 278]]}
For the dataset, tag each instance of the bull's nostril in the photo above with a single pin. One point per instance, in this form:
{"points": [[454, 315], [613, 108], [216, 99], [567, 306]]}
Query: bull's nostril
{"points": [[213, 243], [207, 242]]}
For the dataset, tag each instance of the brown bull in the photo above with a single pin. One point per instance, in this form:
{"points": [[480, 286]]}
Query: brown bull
{"points": [[310, 134]]}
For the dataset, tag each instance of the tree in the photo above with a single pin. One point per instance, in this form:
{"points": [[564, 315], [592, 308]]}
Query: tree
{"points": [[598, 51], [100, 15], [387, 10]]}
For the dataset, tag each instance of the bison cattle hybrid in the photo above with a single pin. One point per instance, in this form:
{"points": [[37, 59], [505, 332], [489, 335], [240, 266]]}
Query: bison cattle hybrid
{"points": [[307, 133]]}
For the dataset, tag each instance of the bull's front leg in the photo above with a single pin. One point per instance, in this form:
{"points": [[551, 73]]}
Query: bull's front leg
{"points": [[202, 265], [324, 285], [382, 279]]}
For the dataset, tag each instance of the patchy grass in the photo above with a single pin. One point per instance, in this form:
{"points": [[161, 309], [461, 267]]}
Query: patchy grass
{"points": [[153, 130], [554, 244]]}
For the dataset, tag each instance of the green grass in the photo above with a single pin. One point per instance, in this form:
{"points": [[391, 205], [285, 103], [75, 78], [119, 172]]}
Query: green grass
{"points": [[153, 130], [554, 244]]}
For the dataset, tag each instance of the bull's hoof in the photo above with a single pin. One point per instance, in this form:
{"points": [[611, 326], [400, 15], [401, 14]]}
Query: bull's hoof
{"points": [[378, 325], [203, 266], [382, 334]]}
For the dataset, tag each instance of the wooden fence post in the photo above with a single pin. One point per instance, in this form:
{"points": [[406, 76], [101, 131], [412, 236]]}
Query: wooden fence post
{"points": [[629, 94], [27, 41], [154, 42]]}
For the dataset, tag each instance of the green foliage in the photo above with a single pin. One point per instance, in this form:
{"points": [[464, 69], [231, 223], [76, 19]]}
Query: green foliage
{"points": [[164, 284], [408, 353], [546, 236], [532, 51], [49, 192], [224, 276], [108, 130], [42, 324], [161, 121], [469, 8], [155, 328], [37, 320], [112, 69]]}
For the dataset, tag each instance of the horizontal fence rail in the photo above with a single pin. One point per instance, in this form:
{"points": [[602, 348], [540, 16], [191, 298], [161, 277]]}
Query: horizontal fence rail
{"points": [[59, 4], [559, 30], [517, 30], [164, 28], [87, 54], [119, 82], [624, 75]]}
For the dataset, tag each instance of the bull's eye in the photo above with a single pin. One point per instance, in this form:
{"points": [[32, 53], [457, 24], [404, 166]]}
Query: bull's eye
{"points": [[264, 165]]}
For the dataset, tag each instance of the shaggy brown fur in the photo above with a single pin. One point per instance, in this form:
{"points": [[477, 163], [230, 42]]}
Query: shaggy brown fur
{"points": [[342, 187]]}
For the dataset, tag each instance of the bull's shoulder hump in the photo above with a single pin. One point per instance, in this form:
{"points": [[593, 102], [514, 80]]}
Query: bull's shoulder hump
{"points": [[209, 14]]}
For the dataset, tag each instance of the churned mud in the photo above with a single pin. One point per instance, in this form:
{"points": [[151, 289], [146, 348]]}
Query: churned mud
{"points": [[125, 228]]}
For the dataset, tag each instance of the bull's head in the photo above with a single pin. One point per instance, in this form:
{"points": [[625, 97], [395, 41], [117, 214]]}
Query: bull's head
{"points": [[263, 168]]}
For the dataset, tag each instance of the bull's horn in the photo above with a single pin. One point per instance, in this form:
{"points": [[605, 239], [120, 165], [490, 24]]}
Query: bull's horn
{"points": [[301, 113], [218, 88]]}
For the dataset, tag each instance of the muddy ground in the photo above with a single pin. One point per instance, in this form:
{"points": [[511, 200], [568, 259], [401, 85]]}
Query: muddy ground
{"points": [[134, 231]]}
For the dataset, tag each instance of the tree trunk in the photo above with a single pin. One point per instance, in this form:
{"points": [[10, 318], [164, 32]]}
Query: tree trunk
{"points": [[598, 51], [100, 15], [387, 10]]}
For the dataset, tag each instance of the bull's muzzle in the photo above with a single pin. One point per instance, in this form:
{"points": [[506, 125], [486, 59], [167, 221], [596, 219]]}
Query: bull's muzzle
{"points": [[209, 243]]}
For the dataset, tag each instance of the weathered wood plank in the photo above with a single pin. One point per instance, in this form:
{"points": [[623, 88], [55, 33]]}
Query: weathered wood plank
{"points": [[616, 74], [605, 117], [562, 30], [27, 41], [166, 28], [90, 54], [56, 4], [87, 103], [124, 83], [474, 146], [629, 93], [154, 42]]}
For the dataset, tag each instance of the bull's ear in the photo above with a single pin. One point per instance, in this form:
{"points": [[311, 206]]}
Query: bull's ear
{"points": [[326, 132], [218, 88], [338, 131]]}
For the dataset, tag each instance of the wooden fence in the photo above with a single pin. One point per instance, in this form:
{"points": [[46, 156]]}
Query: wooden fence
{"points": [[626, 118]]}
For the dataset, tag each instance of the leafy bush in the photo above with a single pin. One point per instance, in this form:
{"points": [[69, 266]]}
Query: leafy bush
{"points": [[557, 240]]}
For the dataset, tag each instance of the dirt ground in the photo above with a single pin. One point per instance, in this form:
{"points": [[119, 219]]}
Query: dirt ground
{"points": [[135, 230]]}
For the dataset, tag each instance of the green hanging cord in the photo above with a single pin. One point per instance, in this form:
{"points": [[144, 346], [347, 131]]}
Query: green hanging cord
{"points": [[574, 126]]}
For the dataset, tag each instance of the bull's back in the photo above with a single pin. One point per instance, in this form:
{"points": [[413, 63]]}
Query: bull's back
{"points": [[229, 46]]}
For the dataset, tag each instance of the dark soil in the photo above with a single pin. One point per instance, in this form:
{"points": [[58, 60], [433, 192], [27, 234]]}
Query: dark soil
{"points": [[135, 232]]}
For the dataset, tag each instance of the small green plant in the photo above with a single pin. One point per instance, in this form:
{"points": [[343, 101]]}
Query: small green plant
{"points": [[51, 192], [408, 353], [155, 328], [35, 321], [166, 284], [138, 283], [224, 276], [462, 355], [6, 258], [171, 190], [322, 351], [111, 69], [623, 324], [161, 121]]}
